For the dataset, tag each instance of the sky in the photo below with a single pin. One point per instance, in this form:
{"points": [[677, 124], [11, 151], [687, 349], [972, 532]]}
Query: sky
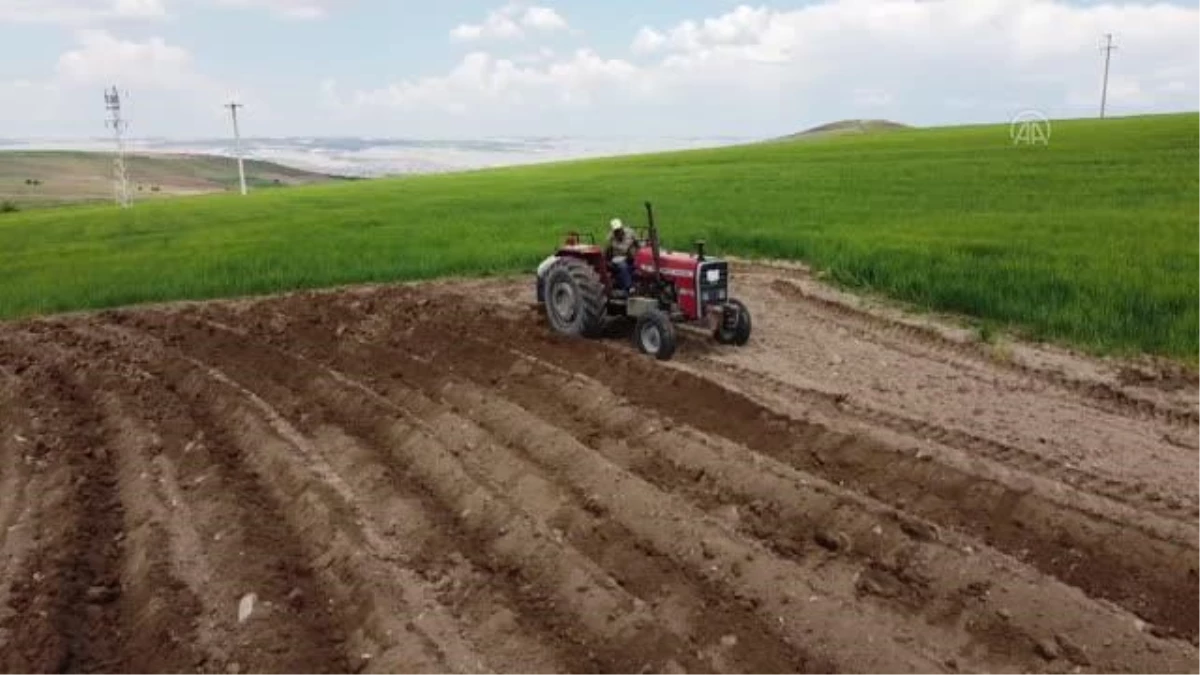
{"points": [[459, 69]]}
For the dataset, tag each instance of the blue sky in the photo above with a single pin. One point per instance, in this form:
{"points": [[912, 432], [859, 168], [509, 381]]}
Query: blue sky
{"points": [[484, 68]]}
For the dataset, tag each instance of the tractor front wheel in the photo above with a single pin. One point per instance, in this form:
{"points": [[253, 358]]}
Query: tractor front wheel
{"points": [[574, 298], [654, 334], [734, 328]]}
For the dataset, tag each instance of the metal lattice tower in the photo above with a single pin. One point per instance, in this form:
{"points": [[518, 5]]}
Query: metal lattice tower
{"points": [[112, 103]]}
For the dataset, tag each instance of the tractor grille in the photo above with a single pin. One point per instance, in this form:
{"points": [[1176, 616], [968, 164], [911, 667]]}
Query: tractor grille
{"points": [[714, 282]]}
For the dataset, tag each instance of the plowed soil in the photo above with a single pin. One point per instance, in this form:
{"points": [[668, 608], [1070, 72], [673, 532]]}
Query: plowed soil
{"points": [[423, 478]]}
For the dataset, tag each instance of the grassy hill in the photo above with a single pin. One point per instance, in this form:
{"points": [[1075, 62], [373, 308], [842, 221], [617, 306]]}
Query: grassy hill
{"points": [[1091, 239], [847, 127], [33, 179]]}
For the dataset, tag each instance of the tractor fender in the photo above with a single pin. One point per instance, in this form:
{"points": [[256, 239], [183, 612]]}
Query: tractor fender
{"points": [[545, 265], [541, 275]]}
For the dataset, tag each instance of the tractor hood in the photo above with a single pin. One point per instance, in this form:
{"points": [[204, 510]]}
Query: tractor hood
{"points": [[677, 264]]}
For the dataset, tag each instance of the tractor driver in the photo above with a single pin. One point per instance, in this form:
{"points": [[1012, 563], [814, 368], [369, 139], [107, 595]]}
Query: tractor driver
{"points": [[620, 251]]}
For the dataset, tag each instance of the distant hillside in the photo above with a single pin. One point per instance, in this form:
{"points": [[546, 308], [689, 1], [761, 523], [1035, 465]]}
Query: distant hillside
{"points": [[32, 179], [847, 127]]}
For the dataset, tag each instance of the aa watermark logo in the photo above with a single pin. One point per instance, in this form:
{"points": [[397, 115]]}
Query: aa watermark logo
{"points": [[1030, 127]]}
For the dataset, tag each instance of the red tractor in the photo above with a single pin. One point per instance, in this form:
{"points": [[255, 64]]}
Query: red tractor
{"points": [[577, 288]]}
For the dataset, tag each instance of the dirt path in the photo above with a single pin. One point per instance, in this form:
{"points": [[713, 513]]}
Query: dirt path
{"points": [[422, 478]]}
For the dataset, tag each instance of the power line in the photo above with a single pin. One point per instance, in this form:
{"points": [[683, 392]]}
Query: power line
{"points": [[1107, 49], [112, 103], [237, 136]]}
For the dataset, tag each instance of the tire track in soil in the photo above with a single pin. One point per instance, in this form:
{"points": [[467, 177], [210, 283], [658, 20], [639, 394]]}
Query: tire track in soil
{"points": [[562, 520], [1152, 577]]}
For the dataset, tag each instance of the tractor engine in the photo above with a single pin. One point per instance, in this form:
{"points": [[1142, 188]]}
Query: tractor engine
{"points": [[700, 283]]}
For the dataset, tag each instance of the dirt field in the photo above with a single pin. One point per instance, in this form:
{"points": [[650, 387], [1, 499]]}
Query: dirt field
{"points": [[421, 478]]}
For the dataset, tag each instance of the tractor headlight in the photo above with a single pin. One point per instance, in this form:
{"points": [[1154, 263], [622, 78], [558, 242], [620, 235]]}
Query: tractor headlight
{"points": [[713, 276]]}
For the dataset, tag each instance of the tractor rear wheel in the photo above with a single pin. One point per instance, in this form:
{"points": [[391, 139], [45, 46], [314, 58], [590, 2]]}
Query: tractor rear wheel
{"points": [[574, 298], [737, 330], [654, 334]]}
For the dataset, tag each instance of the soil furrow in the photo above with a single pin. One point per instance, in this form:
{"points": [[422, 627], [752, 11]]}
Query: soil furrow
{"points": [[508, 625], [1094, 550], [424, 478], [353, 574], [227, 538], [613, 627], [1184, 509], [1155, 578], [678, 530], [23, 492], [64, 600], [421, 534], [679, 598], [900, 560], [910, 574], [1107, 556], [161, 610]]}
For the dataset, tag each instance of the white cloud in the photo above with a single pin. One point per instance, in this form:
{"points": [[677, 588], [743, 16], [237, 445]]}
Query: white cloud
{"points": [[101, 58], [648, 41], [93, 12], [163, 89], [481, 80], [79, 11], [292, 9], [541, 55], [744, 25], [511, 21], [543, 19], [920, 61]]}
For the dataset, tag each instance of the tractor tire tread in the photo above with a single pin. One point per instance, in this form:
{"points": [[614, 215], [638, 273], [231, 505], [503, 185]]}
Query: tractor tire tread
{"points": [[666, 330], [740, 334], [591, 293]]}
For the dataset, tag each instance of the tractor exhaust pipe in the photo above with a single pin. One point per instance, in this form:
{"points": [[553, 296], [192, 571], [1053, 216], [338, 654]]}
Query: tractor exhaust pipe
{"points": [[654, 243]]}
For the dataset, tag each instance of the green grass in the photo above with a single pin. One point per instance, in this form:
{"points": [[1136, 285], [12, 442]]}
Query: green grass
{"points": [[1091, 240]]}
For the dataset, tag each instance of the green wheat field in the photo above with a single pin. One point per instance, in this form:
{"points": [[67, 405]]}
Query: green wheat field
{"points": [[1091, 240]]}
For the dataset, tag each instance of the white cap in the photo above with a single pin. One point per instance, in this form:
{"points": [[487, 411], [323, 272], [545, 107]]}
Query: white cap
{"points": [[616, 224]]}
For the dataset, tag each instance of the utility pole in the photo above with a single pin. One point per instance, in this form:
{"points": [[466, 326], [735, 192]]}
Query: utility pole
{"points": [[1107, 49], [237, 139], [112, 103]]}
